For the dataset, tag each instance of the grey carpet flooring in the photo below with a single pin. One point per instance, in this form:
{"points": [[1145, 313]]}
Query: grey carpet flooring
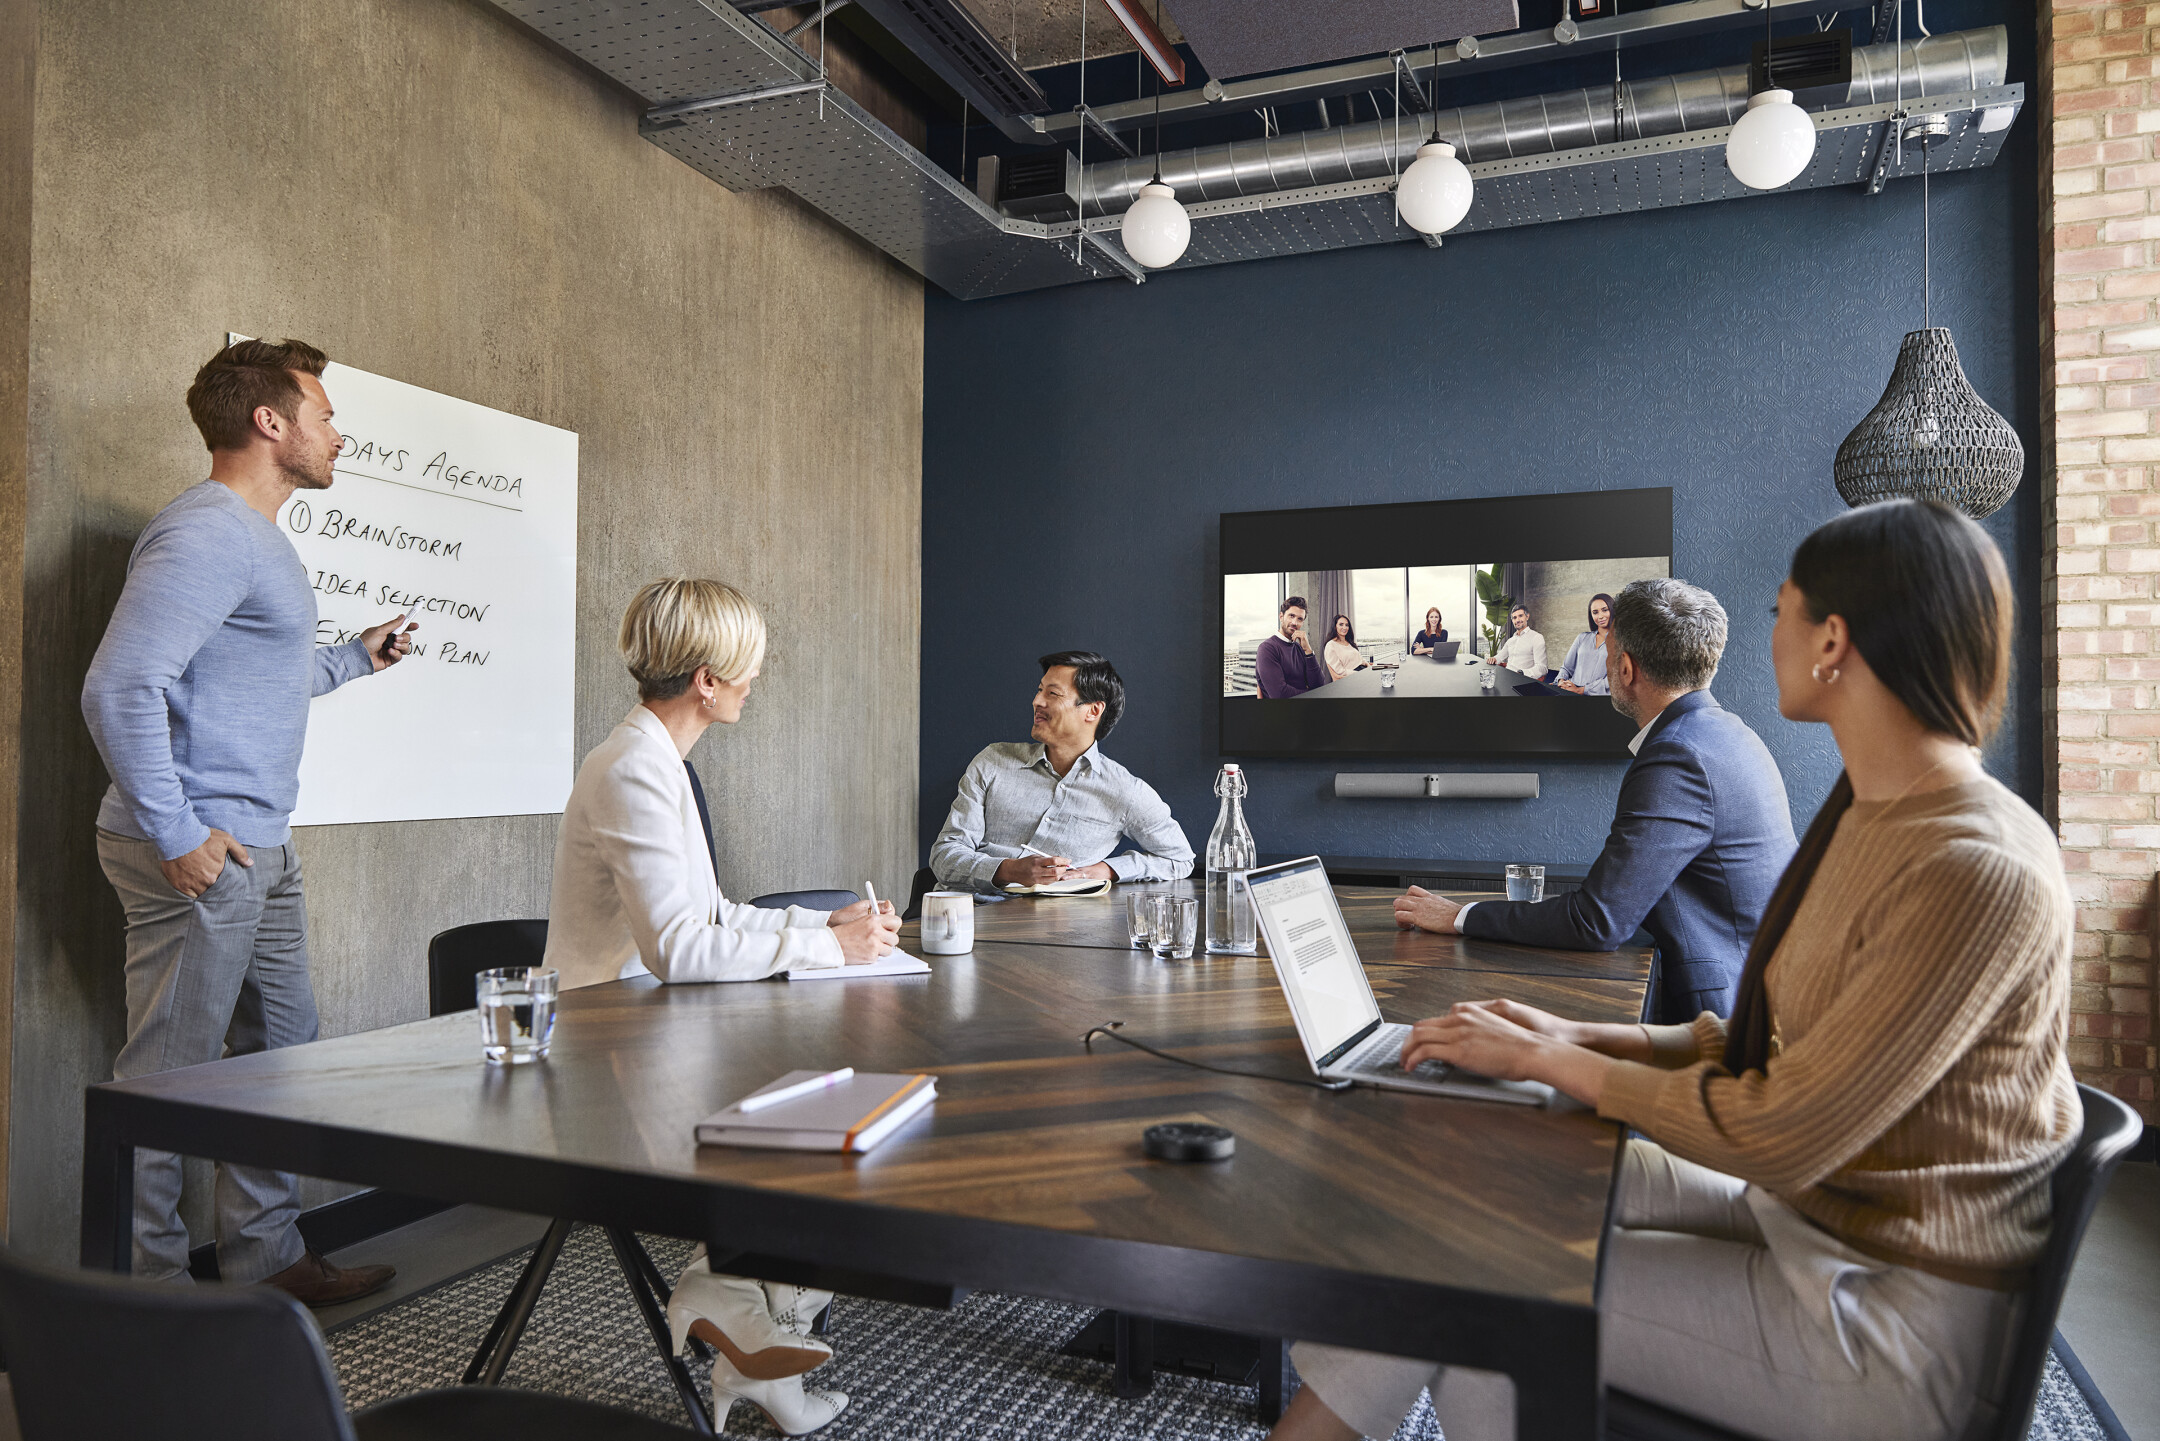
{"points": [[990, 1368]]}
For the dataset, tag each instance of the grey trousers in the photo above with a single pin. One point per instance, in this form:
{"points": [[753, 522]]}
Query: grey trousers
{"points": [[225, 972], [1722, 1301]]}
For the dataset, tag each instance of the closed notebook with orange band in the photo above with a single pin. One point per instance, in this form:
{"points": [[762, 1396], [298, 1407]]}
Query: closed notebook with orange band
{"points": [[853, 1115]]}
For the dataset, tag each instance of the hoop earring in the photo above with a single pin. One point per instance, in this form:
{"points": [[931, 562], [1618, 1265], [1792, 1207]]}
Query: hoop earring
{"points": [[1830, 679], [710, 701]]}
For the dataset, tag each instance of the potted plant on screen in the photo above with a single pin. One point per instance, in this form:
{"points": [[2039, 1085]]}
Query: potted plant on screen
{"points": [[1497, 603]]}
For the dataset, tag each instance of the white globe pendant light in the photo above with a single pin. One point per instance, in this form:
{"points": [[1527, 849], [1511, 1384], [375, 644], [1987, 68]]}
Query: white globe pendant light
{"points": [[1156, 229], [1772, 143], [1435, 192]]}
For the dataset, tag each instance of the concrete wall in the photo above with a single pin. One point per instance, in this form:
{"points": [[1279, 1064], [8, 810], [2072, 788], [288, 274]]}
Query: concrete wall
{"points": [[429, 192], [18, 52]]}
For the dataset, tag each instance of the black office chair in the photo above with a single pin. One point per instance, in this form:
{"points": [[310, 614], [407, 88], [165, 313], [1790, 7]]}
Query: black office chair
{"points": [[461, 953], [2110, 1129], [97, 1356], [924, 883], [808, 900], [455, 958]]}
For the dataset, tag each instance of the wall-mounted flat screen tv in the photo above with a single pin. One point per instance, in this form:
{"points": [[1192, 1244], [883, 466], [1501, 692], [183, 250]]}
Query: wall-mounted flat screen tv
{"points": [[1407, 611]]}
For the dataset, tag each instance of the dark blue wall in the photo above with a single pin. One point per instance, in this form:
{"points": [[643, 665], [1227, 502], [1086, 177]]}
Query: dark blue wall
{"points": [[1079, 444]]}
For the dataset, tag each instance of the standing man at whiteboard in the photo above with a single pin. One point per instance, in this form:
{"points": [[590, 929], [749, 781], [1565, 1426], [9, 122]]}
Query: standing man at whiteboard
{"points": [[198, 700]]}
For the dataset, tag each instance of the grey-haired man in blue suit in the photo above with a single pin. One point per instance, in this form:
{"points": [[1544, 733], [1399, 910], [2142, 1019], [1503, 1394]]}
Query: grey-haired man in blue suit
{"points": [[1703, 829]]}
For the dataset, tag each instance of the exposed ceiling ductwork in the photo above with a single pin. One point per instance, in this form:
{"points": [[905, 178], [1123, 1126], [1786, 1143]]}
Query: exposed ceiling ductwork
{"points": [[729, 96], [1970, 61]]}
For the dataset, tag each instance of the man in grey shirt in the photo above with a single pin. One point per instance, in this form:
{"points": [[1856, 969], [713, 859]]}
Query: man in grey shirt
{"points": [[198, 700], [1054, 808]]}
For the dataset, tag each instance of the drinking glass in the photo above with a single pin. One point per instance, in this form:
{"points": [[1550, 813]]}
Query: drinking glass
{"points": [[1387, 680], [1176, 924], [1526, 883], [1488, 678], [1140, 918], [517, 1014]]}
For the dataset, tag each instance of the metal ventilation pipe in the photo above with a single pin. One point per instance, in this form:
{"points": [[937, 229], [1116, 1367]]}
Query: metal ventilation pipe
{"points": [[1534, 125]]}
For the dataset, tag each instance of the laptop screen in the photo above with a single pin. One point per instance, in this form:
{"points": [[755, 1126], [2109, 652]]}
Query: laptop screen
{"points": [[1313, 954]]}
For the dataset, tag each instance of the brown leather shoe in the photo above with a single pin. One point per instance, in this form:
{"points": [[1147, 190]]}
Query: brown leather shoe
{"points": [[312, 1281]]}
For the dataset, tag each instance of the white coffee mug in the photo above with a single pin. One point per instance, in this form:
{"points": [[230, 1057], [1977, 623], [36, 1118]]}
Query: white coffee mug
{"points": [[948, 923]]}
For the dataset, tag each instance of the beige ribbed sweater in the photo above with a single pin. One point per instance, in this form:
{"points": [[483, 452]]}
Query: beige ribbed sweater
{"points": [[1917, 1097]]}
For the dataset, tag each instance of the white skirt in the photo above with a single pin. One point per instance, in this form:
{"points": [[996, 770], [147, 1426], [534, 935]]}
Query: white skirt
{"points": [[1722, 1301]]}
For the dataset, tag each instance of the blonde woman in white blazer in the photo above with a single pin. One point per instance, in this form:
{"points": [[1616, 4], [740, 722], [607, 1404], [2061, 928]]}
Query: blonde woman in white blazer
{"points": [[635, 894]]}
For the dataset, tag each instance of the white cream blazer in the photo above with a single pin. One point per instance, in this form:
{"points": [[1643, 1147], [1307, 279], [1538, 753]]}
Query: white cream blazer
{"points": [[634, 887]]}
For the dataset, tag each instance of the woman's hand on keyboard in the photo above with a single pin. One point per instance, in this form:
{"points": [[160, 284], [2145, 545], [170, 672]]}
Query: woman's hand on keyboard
{"points": [[1476, 1037], [1530, 1018], [1480, 1036]]}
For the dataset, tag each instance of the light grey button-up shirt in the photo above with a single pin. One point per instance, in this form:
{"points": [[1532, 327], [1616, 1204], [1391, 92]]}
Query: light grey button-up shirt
{"points": [[1010, 799]]}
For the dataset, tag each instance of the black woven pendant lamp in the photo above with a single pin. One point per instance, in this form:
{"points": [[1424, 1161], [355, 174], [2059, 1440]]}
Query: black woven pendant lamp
{"points": [[1931, 436]]}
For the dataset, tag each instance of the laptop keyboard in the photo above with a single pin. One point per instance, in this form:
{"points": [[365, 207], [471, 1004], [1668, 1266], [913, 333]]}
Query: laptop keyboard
{"points": [[1386, 1060]]}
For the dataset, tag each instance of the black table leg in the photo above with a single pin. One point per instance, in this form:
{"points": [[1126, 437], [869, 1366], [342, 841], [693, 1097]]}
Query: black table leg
{"points": [[627, 1251], [493, 1357], [1274, 1383], [108, 1190], [1133, 1371], [1562, 1398]]}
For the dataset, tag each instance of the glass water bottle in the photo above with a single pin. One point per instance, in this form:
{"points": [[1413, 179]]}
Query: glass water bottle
{"points": [[1230, 854]]}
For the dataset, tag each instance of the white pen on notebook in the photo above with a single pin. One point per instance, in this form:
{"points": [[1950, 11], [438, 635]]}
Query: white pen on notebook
{"points": [[871, 891], [1028, 850], [763, 1099]]}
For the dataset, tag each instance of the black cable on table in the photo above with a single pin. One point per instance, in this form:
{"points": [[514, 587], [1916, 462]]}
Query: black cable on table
{"points": [[1110, 1029]]}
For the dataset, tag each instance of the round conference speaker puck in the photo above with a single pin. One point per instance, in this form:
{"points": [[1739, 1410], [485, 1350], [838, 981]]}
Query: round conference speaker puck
{"points": [[1188, 1141]]}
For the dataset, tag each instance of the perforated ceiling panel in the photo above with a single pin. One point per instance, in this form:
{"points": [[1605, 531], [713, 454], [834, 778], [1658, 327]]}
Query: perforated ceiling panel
{"points": [[665, 50]]}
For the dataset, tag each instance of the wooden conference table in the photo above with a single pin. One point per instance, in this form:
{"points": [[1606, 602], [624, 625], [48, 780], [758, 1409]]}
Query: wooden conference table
{"points": [[1457, 1230], [1419, 676]]}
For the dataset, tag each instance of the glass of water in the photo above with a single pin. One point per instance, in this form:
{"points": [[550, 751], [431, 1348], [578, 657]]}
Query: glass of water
{"points": [[1488, 678], [1176, 925], [1140, 918], [1526, 883], [517, 1014]]}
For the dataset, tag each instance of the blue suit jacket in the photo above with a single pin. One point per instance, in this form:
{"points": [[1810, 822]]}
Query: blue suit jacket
{"points": [[1702, 833]]}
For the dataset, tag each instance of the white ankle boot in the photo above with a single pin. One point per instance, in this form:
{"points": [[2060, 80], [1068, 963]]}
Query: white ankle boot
{"points": [[792, 1407], [751, 1344]]}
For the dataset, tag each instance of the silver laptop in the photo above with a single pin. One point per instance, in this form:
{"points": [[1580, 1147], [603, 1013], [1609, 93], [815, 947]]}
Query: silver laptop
{"points": [[1445, 651], [1332, 1002]]}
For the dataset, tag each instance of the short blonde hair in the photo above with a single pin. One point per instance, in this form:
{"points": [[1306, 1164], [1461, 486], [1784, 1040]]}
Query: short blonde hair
{"points": [[673, 626]]}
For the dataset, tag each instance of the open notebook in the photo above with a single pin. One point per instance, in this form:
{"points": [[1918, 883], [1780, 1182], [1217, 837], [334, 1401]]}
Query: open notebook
{"points": [[894, 962], [1072, 886]]}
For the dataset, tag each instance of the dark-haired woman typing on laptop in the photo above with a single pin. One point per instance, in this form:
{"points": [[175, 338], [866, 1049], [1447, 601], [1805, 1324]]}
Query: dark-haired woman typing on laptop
{"points": [[1844, 1187]]}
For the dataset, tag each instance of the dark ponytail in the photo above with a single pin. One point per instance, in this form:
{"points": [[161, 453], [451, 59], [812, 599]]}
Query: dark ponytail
{"points": [[1926, 599], [1747, 1034]]}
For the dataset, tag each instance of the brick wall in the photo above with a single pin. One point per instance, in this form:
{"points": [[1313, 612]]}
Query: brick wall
{"points": [[2099, 106]]}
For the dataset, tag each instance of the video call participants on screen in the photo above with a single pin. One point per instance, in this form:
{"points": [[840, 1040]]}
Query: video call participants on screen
{"points": [[1327, 634]]}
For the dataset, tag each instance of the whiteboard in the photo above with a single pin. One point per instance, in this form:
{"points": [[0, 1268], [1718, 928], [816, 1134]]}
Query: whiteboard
{"points": [[466, 519]]}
